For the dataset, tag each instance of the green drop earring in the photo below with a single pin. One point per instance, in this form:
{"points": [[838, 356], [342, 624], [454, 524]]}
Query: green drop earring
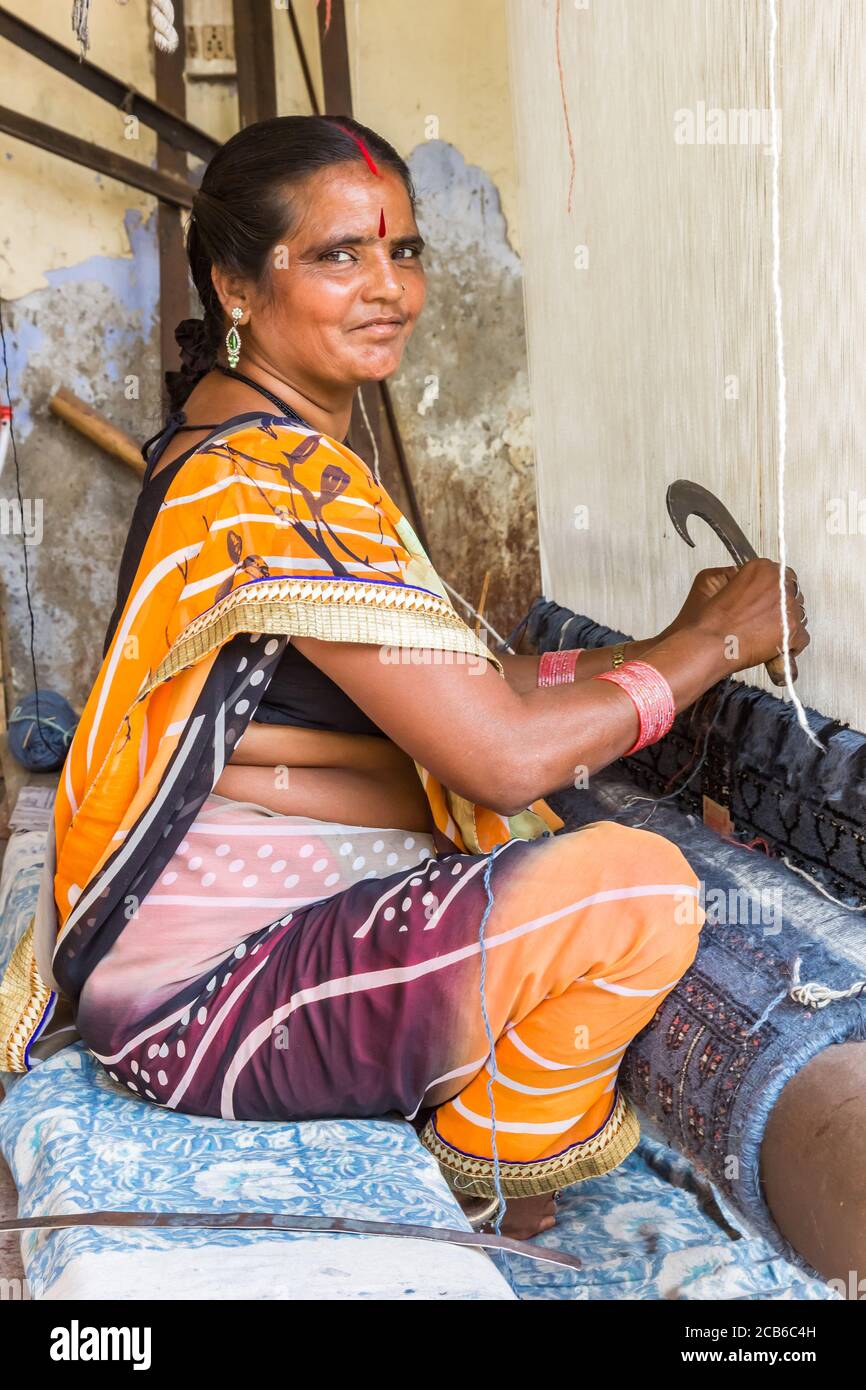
{"points": [[233, 338]]}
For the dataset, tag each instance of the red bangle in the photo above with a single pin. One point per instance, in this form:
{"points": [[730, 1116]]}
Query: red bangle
{"points": [[557, 668], [652, 697]]}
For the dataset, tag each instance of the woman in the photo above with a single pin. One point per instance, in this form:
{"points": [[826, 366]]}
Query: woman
{"points": [[304, 863]]}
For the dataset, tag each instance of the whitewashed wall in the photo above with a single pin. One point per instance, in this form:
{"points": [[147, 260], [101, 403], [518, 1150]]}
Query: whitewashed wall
{"points": [[655, 360]]}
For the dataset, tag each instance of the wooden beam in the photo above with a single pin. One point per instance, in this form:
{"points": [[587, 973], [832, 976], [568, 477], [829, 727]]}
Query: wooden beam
{"points": [[168, 187], [173, 264], [373, 399], [254, 55], [173, 127], [336, 78], [302, 58]]}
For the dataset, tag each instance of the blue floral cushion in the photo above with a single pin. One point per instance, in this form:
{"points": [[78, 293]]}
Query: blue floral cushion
{"points": [[76, 1141]]}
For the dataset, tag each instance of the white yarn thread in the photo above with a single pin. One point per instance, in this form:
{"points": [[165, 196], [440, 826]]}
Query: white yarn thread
{"points": [[474, 611], [813, 995], [460, 599], [366, 417], [162, 18], [781, 381], [795, 868]]}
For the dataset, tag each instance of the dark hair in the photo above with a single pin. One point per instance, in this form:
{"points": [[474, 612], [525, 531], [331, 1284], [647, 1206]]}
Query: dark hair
{"points": [[244, 207]]}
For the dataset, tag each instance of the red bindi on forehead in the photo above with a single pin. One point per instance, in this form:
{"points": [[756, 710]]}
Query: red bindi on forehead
{"points": [[371, 164]]}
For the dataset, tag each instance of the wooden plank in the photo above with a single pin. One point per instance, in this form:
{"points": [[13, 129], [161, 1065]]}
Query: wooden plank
{"points": [[254, 55], [168, 187], [95, 427], [369, 418], [173, 264], [336, 77]]}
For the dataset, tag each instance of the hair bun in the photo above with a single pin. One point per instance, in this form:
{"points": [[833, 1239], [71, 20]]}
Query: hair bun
{"points": [[198, 354], [196, 348]]}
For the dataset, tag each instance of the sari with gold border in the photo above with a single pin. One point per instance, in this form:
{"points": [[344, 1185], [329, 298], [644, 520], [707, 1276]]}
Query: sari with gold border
{"points": [[268, 528]]}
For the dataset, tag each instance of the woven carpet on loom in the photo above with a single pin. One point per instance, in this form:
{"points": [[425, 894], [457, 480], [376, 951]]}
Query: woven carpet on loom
{"points": [[711, 1065]]}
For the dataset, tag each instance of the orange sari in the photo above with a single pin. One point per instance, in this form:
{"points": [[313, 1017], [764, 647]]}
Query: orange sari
{"points": [[268, 528], [498, 963]]}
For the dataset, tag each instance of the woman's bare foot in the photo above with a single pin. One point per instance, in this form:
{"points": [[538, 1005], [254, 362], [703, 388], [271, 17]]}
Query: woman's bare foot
{"points": [[524, 1217], [529, 1216]]}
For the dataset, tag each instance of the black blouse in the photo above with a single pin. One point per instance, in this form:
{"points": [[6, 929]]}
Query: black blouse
{"points": [[298, 693]]}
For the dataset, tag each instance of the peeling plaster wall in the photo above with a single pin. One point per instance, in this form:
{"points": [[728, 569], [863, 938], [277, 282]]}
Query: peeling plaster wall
{"points": [[462, 392], [414, 64], [79, 280], [57, 213], [92, 329]]}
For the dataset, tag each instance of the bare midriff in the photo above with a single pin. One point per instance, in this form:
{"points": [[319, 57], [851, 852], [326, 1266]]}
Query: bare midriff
{"points": [[354, 779]]}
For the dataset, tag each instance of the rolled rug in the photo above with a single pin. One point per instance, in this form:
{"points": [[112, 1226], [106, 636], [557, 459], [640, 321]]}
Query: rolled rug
{"points": [[780, 978]]}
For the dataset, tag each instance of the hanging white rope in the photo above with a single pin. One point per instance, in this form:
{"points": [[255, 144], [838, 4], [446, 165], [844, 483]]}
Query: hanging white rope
{"points": [[781, 381], [162, 18], [81, 23]]}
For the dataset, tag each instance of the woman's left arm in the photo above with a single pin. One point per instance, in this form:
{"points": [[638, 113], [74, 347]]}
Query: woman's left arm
{"points": [[521, 672]]}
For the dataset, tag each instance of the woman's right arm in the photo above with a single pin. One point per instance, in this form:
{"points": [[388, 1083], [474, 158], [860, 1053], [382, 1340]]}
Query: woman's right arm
{"points": [[504, 748]]}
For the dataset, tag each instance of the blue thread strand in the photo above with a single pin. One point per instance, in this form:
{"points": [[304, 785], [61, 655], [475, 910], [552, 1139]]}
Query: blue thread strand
{"points": [[491, 1043], [765, 1014], [793, 970]]}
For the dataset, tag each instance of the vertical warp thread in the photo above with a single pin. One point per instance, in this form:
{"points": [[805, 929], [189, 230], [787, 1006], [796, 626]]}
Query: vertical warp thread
{"points": [[564, 105], [376, 473], [491, 1043], [781, 381]]}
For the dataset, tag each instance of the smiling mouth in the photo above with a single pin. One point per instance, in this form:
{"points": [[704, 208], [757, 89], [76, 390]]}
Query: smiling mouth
{"points": [[382, 323]]}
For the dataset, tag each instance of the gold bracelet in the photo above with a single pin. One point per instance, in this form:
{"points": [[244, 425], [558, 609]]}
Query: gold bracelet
{"points": [[618, 654]]}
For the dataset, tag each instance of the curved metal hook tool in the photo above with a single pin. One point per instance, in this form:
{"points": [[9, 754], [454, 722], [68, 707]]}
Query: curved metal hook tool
{"points": [[686, 499]]}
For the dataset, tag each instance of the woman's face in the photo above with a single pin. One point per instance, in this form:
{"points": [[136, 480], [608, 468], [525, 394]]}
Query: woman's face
{"points": [[355, 256]]}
